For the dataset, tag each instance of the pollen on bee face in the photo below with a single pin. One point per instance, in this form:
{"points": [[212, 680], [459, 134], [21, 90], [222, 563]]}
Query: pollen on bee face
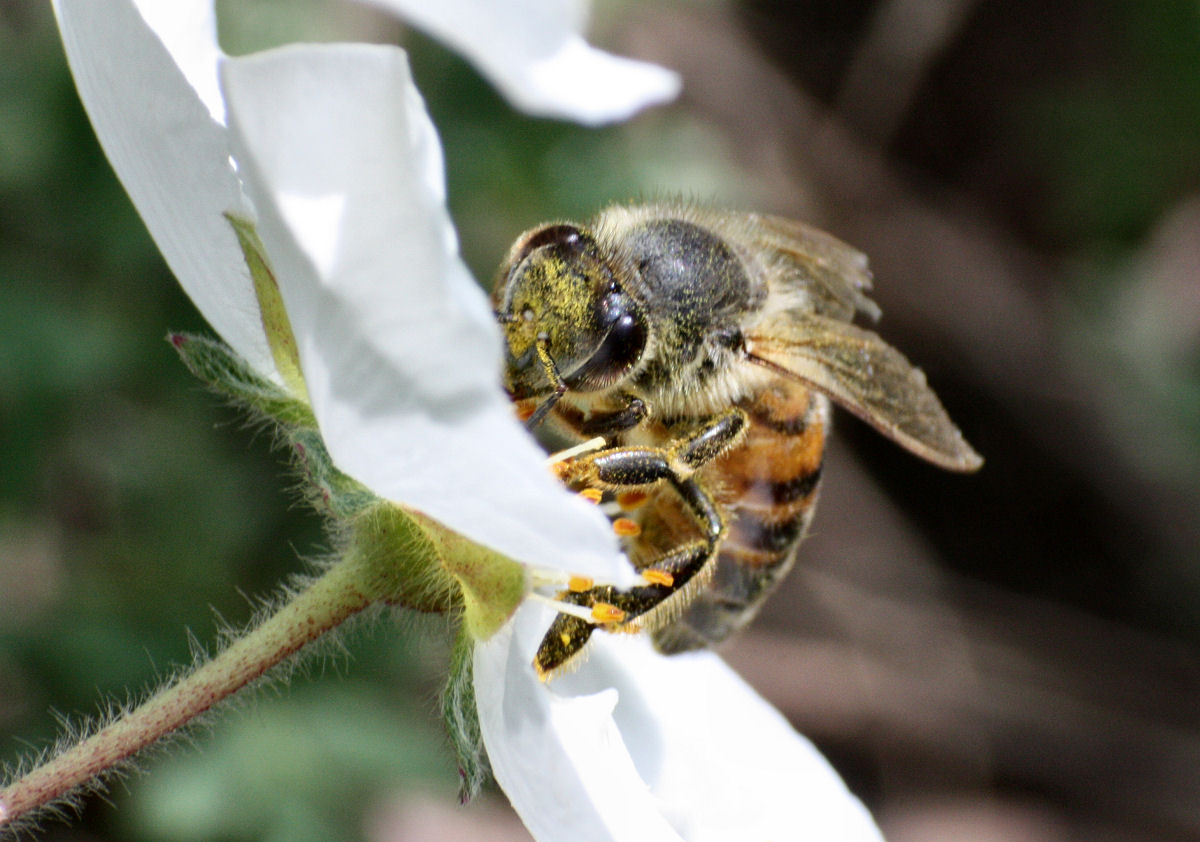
{"points": [[592, 495], [603, 612], [626, 528]]}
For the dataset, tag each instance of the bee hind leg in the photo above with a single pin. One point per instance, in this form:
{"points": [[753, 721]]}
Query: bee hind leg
{"points": [[620, 609]]}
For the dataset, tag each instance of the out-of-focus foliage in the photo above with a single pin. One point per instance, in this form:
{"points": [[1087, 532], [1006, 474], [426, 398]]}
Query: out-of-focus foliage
{"points": [[1119, 141], [1021, 638]]}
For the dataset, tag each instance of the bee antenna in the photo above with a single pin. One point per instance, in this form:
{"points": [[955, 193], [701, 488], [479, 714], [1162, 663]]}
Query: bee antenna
{"points": [[543, 409], [560, 387]]}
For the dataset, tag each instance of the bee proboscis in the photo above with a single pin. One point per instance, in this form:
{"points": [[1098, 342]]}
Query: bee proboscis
{"points": [[705, 347]]}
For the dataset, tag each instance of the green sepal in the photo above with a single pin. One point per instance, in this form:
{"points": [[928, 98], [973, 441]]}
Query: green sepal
{"points": [[417, 562], [331, 491], [461, 717], [227, 373], [492, 584], [401, 565], [276, 324]]}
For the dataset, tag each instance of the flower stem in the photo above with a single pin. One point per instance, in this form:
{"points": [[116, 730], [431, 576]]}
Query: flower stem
{"points": [[334, 597]]}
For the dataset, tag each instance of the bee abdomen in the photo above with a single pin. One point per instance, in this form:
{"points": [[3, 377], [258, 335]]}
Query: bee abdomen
{"points": [[760, 543], [768, 488]]}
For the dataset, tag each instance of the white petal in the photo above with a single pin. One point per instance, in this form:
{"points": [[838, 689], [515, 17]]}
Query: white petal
{"points": [[717, 761], [398, 345], [560, 760], [534, 53], [188, 29], [170, 154], [723, 763], [579, 82]]}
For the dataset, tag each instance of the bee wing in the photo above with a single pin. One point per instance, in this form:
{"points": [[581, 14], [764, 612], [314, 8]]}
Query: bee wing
{"points": [[864, 374], [832, 273]]}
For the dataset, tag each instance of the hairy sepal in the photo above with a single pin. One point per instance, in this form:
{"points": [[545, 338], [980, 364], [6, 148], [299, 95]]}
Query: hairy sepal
{"points": [[424, 565], [461, 718], [227, 373]]}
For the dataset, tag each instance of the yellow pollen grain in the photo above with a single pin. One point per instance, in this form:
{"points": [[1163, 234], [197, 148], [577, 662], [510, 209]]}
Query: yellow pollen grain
{"points": [[603, 612], [579, 584], [658, 577], [626, 528], [592, 495], [630, 500], [564, 638]]}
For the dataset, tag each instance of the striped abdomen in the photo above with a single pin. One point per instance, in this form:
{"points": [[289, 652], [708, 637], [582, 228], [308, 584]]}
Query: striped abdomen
{"points": [[767, 486]]}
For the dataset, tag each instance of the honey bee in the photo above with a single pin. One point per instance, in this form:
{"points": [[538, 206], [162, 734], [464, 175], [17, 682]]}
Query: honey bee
{"points": [[704, 347]]}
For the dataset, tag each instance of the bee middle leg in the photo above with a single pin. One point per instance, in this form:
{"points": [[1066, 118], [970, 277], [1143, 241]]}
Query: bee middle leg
{"points": [[627, 468]]}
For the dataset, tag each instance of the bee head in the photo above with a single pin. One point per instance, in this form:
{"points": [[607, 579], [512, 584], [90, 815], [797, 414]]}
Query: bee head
{"points": [[556, 290]]}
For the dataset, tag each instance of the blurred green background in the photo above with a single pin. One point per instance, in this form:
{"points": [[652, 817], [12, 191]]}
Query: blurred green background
{"points": [[1006, 656]]}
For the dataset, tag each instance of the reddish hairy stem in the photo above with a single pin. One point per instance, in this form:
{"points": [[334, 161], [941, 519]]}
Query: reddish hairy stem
{"points": [[326, 603]]}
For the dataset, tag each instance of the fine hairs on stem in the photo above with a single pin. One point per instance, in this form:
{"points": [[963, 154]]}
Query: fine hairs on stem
{"points": [[91, 753]]}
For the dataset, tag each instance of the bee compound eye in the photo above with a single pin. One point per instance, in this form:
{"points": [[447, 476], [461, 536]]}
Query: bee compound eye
{"points": [[564, 236], [618, 351]]}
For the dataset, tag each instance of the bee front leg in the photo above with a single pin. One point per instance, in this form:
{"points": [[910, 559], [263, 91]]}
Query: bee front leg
{"points": [[627, 468], [610, 423]]}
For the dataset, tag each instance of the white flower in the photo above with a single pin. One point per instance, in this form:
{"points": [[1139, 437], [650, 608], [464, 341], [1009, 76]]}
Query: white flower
{"points": [[330, 150], [347, 190], [638, 746]]}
